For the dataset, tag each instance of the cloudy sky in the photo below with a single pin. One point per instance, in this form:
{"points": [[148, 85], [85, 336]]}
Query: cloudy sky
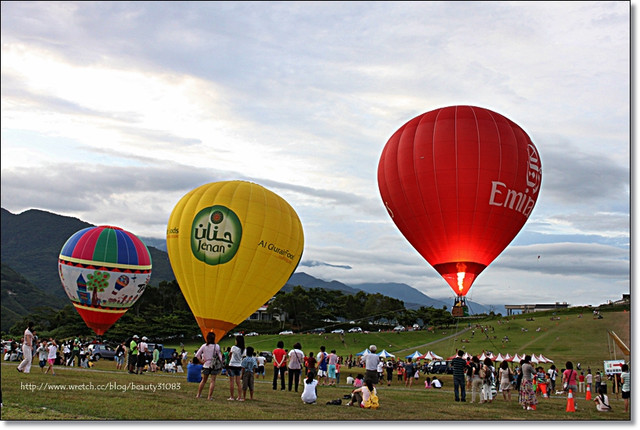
{"points": [[112, 111]]}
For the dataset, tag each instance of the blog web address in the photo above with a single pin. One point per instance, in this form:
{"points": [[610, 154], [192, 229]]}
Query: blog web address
{"points": [[108, 386]]}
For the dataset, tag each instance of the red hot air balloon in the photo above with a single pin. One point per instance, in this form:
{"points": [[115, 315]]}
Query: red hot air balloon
{"points": [[459, 183], [103, 270]]}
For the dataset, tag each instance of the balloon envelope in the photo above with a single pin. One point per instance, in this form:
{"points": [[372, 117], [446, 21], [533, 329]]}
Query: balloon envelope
{"points": [[103, 270], [232, 246], [459, 183]]}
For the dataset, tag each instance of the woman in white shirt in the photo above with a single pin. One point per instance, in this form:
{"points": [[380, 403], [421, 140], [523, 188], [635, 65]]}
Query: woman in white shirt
{"points": [[205, 355], [235, 367], [296, 360], [310, 390]]}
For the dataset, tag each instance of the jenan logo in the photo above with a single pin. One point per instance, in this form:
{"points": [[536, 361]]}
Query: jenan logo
{"points": [[215, 235]]}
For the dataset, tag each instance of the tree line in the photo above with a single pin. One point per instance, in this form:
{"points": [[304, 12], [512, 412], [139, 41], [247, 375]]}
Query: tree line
{"points": [[163, 314]]}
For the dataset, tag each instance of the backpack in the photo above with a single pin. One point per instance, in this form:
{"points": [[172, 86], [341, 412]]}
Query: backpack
{"points": [[372, 402]]}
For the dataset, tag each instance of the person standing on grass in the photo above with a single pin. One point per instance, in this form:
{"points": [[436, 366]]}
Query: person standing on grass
{"points": [[459, 364], [322, 365], [279, 365], [528, 398], [27, 349], [625, 379], [409, 370], [235, 367], [249, 365], [261, 360], [143, 347], [505, 376], [588, 381], [371, 365], [133, 354], [570, 379], [476, 380], [43, 353], [486, 372], [553, 373], [205, 355], [296, 361], [51, 356], [332, 362]]}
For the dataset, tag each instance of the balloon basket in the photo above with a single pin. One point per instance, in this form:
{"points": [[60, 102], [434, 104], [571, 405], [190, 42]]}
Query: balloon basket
{"points": [[459, 308]]}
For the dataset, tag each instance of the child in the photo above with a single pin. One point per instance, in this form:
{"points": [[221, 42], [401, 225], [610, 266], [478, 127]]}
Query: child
{"points": [[310, 390], [42, 355], [51, 356], [358, 381], [249, 364], [427, 383]]}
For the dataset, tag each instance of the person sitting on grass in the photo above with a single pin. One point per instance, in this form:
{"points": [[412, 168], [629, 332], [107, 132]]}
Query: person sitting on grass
{"points": [[310, 390], [602, 401], [436, 383], [359, 396]]}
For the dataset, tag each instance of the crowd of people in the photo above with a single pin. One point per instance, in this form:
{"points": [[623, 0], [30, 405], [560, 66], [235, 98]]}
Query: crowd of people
{"points": [[242, 365]]}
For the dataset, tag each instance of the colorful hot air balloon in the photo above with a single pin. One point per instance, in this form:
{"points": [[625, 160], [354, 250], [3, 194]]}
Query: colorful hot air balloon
{"points": [[103, 270], [232, 246], [459, 183]]}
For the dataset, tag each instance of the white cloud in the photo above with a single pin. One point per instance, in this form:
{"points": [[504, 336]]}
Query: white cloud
{"points": [[111, 111]]}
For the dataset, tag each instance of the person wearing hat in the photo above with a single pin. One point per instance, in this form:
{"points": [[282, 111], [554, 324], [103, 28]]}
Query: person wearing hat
{"points": [[371, 361], [143, 348], [133, 353]]}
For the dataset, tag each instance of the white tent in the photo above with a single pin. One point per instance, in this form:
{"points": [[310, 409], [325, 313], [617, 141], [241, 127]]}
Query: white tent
{"points": [[499, 357], [534, 359], [546, 360], [430, 355], [414, 356], [365, 352], [385, 354], [508, 357]]}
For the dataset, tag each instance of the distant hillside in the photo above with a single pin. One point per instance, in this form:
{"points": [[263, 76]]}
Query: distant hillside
{"points": [[20, 298], [32, 240]]}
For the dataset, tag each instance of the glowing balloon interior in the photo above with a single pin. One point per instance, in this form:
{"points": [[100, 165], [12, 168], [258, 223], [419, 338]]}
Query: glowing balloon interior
{"points": [[459, 183], [232, 246], [103, 270]]}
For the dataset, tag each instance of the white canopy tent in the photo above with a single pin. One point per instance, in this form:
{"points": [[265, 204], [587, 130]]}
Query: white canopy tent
{"points": [[414, 356], [385, 354]]}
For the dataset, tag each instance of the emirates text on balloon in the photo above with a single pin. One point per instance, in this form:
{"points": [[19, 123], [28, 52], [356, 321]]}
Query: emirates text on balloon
{"points": [[517, 201]]}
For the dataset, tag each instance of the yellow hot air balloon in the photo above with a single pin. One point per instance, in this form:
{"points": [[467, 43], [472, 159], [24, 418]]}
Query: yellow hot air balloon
{"points": [[232, 246]]}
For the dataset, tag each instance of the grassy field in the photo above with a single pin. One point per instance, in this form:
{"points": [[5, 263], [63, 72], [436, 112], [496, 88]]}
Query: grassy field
{"points": [[103, 393]]}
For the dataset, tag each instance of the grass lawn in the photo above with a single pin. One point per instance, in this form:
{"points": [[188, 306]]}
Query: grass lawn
{"points": [[102, 393]]}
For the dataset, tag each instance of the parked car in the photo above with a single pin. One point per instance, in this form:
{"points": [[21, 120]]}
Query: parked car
{"points": [[399, 328], [102, 351], [268, 355], [285, 332], [439, 366], [253, 333], [338, 330], [355, 330], [319, 330]]}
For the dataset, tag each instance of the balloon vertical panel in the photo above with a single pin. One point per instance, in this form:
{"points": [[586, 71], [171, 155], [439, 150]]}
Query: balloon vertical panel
{"points": [[258, 237]]}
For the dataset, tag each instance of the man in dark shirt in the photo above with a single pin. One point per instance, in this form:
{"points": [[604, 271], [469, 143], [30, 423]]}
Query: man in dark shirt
{"points": [[459, 365]]}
